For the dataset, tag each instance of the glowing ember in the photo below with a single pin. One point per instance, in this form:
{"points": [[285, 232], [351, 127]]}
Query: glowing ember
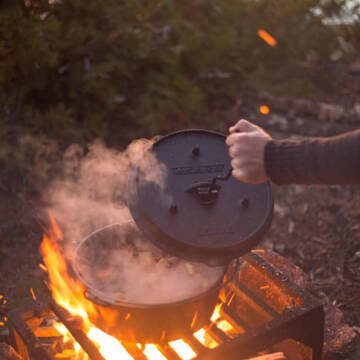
{"points": [[231, 299], [163, 333], [269, 39], [264, 109], [223, 295], [258, 251], [153, 353], [216, 314], [194, 320], [183, 349], [43, 267], [66, 354], [108, 345], [206, 339], [223, 324], [3, 300], [227, 328], [33, 294]]}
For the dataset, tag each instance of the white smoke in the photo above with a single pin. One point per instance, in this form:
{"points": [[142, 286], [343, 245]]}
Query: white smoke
{"points": [[92, 192], [90, 195]]}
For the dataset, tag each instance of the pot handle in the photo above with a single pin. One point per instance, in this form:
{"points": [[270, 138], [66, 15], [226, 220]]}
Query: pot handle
{"points": [[94, 299]]}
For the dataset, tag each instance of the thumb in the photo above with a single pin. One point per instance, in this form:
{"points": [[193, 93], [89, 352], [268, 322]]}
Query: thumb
{"points": [[239, 174], [243, 126]]}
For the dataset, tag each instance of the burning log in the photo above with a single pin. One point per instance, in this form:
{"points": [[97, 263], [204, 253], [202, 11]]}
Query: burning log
{"points": [[76, 322], [273, 356]]}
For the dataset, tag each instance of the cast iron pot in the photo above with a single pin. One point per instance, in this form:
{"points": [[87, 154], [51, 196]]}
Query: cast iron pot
{"points": [[138, 322]]}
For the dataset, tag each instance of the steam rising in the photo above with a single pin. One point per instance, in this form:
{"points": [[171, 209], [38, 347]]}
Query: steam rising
{"points": [[120, 266], [91, 195]]}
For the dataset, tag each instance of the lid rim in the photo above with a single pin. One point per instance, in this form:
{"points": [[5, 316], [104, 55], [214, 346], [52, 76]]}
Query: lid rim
{"points": [[161, 238]]}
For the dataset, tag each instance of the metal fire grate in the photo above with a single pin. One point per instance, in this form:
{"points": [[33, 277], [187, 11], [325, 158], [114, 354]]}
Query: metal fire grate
{"points": [[261, 309]]}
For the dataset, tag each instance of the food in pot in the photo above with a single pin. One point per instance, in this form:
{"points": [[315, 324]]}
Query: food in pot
{"points": [[120, 265]]}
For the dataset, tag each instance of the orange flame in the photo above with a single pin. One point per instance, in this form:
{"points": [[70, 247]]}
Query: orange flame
{"points": [[153, 353], [206, 339], [69, 293], [216, 314], [223, 324], [183, 349], [69, 340], [269, 39], [109, 347], [65, 291]]}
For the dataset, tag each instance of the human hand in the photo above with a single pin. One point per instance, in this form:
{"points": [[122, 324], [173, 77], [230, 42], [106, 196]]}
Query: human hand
{"points": [[246, 147]]}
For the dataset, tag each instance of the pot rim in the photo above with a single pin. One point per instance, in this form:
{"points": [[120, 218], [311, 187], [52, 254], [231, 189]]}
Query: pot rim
{"points": [[105, 300]]}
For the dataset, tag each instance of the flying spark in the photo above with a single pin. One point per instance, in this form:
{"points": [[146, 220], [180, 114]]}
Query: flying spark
{"points": [[269, 39], [264, 109]]}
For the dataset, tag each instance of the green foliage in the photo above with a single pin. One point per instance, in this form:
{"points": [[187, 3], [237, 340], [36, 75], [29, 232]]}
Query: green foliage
{"points": [[73, 69]]}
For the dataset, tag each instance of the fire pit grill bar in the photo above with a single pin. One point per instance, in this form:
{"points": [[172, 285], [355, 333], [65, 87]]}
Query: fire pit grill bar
{"points": [[237, 319], [301, 320], [169, 353], [78, 334], [133, 350]]}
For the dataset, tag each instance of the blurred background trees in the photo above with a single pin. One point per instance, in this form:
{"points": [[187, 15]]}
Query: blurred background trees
{"points": [[74, 70]]}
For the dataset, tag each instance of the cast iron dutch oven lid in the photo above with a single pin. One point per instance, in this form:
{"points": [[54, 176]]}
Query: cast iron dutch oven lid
{"points": [[199, 212]]}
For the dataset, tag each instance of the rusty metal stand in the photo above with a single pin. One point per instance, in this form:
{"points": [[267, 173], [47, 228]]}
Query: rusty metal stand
{"points": [[288, 316]]}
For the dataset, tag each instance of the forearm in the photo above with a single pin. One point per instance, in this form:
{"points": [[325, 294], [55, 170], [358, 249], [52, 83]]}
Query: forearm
{"points": [[334, 160]]}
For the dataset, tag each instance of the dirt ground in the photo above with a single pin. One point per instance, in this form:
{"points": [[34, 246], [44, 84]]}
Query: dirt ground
{"points": [[317, 227]]}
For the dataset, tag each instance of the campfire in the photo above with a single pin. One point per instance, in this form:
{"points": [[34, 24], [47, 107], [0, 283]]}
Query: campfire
{"points": [[69, 295], [258, 311], [235, 305]]}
